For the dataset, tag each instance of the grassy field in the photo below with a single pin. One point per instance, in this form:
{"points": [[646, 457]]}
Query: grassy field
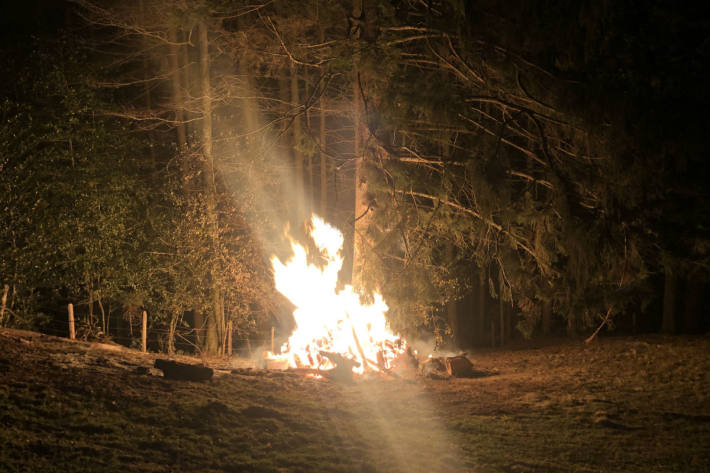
{"points": [[616, 405]]}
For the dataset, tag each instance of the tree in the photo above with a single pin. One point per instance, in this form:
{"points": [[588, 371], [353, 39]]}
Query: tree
{"points": [[72, 192]]}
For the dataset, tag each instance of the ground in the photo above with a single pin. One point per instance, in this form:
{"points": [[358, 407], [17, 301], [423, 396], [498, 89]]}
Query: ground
{"points": [[616, 405]]}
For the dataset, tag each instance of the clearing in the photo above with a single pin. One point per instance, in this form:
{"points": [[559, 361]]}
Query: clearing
{"points": [[616, 405]]}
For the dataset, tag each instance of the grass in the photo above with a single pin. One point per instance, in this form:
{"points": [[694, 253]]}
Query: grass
{"points": [[618, 405]]}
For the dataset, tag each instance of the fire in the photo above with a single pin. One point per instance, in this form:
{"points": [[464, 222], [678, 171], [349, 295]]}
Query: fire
{"points": [[332, 324]]}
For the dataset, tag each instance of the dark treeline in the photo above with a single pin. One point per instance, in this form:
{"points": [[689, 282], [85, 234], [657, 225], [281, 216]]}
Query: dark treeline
{"points": [[497, 171]]}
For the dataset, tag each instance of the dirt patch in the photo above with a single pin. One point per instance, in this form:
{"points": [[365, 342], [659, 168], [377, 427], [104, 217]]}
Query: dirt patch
{"points": [[619, 404]]}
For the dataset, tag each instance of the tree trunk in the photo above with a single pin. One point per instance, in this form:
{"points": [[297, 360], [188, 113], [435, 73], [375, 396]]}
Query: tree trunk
{"points": [[571, 316], [309, 156], [361, 204], [452, 306], [215, 323], [3, 304], [177, 88], [146, 83], [493, 332], [502, 320], [297, 141], [91, 307], [285, 143], [171, 333], [571, 324], [669, 302], [546, 317], [480, 312], [323, 149], [104, 323], [504, 313], [690, 312], [249, 107], [189, 84], [198, 324]]}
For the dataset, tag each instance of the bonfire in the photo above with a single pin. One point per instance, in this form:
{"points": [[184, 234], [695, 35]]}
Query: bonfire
{"points": [[334, 327]]}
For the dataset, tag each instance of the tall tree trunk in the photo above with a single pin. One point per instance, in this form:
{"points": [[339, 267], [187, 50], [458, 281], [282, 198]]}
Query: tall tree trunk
{"points": [[669, 302], [3, 304], [479, 315], [215, 323], [323, 148], [180, 82], [286, 142], [198, 323], [297, 141], [452, 307], [171, 332], [91, 306], [189, 83], [546, 317], [493, 331], [104, 322], [177, 87], [453, 317], [250, 123], [249, 107], [571, 316], [146, 82], [503, 310], [361, 204], [690, 312], [502, 323], [310, 193]]}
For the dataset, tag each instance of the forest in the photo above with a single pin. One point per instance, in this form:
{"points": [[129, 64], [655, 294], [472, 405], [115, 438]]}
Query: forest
{"points": [[499, 172]]}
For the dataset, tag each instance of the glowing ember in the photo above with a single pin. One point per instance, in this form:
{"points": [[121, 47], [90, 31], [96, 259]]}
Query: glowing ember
{"points": [[331, 324]]}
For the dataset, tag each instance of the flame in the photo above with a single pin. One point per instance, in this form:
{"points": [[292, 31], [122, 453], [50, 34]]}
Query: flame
{"points": [[332, 323]]}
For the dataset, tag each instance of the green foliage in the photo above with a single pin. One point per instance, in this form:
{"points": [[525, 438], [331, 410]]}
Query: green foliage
{"points": [[71, 195], [94, 217]]}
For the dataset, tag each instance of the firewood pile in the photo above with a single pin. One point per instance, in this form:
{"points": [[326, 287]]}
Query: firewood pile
{"points": [[408, 365]]}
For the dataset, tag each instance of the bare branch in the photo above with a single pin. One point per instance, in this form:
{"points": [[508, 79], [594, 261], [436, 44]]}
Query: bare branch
{"points": [[267, 21]]}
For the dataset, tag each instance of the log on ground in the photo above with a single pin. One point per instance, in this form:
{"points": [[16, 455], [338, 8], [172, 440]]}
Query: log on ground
{"points": [[183, 371]]}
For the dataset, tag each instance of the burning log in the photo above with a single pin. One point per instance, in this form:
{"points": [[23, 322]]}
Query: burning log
{"points": [[183, 371], [304, 371], [381, 364], [342, 368], [340, 361], [359, 348]]}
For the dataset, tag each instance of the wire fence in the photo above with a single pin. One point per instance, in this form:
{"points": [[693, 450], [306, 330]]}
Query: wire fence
{"points": [[123, 330], [129, 334]]}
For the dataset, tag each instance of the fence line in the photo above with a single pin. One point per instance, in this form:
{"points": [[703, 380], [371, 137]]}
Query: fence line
{"points": [[71, 325]]}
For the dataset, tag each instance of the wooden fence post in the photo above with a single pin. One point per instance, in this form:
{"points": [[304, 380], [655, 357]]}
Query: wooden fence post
{"points": [[72, 329], [229, 338], [144, 333]]}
